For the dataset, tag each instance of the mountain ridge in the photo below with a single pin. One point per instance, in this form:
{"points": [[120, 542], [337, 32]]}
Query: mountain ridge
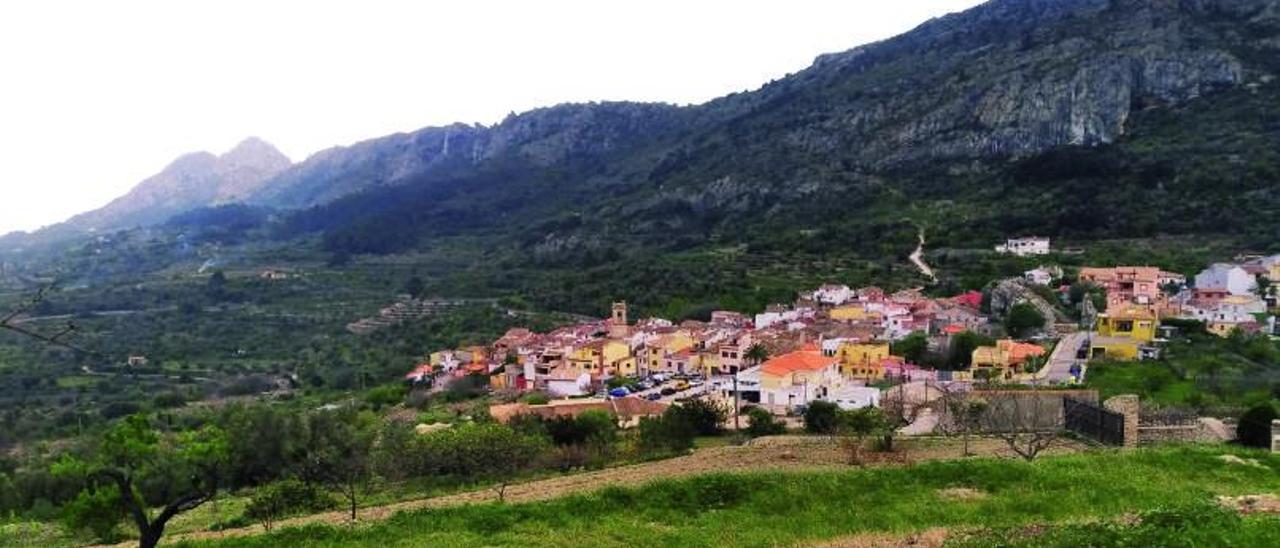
{"points": [[193, 180], [1004, 81]]}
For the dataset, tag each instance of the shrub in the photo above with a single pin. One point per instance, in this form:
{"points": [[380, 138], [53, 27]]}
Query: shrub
{"points": [[169, 400], [536, 398], [285, 498], [702, 414], [762, 423], [115, 410], [1023, 319], [96, 511], [821, 417], [386, 396], [668, 433], [1254, 429], [475, 450]]}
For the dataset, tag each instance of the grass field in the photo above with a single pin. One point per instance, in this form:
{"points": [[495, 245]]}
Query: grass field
{"points": [[785, 508]]}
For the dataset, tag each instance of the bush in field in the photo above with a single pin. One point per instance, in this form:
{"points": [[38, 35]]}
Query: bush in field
{"points": [[386, 396], [669, 433], [591, 428], [821, 417], [1254, 429], [702, 414], [476, 451], [285, 498], [98, 512], [762, 423]]}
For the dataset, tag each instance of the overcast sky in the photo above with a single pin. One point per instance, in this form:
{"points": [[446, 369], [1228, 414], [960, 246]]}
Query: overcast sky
{"points": [[96, 95]]}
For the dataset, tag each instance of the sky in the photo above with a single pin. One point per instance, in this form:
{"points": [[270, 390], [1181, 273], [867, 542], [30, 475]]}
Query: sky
{"points": [[96, 96]]}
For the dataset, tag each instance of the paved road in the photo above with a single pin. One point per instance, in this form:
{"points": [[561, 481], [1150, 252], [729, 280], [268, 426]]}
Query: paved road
{"points": [[1058, 368]]}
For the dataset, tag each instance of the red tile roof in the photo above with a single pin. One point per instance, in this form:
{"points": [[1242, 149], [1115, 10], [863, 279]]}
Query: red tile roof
{"points": [[800, 360]]}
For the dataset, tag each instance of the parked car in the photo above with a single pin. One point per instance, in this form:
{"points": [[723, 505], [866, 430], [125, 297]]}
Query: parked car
{"points": [[682, 385], [653, 397], [620, 392], [668, 391]]}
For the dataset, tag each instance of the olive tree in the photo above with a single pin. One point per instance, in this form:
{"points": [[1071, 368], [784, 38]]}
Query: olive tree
{"points": [[181, 471]]}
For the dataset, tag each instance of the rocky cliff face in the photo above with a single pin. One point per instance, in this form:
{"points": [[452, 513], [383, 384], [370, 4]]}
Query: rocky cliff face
{"points": [[547, 137], [193, 180], [1010, 78], [1005, 80]]}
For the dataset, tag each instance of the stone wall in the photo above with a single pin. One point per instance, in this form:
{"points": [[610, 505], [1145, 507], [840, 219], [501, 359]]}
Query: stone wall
{"points": [[1128, 406], [1275, 436]]}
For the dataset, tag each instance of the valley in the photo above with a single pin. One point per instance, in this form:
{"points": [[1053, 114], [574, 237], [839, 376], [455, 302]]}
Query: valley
{"points": [[804, 313]]}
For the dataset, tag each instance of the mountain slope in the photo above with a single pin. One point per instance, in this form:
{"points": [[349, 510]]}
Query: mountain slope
{"points": [[1007, 80], [1082, 120], [194, 180], [560, 136]]}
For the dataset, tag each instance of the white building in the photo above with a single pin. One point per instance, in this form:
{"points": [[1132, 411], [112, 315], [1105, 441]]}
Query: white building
{"points": [[833, 294], [1224, 276], [1233, 309], [563, 383], [1040, 276], [855, 397], [799, 377], [1025, 246]]}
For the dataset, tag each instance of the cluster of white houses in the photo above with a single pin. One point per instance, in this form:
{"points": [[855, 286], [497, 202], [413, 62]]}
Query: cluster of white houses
{"points": [[833, 342], [827, 345]]}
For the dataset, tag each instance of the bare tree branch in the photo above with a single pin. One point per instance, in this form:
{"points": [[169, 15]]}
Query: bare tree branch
{"points": [[11, 322]]}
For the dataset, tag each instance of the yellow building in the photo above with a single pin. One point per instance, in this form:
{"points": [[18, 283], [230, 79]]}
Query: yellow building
{"points": [[850, 313], [863, 360], [1005, 356], [1113, 348], [656, 350], [1132, 322], [603, 357]]}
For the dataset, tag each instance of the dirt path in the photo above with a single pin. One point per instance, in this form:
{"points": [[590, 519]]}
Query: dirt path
{"points": [[917, 258], [783, 453]]}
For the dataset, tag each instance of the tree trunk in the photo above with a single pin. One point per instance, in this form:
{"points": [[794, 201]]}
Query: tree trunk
{"points": [[150, 537], [351, 497]]}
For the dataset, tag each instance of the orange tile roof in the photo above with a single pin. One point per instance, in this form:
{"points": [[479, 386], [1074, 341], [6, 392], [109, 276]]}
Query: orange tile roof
{"points": [[801, 360]]}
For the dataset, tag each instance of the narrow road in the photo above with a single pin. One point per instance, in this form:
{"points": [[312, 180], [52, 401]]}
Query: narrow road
{"points": [[917, 258], [1058, 368]]}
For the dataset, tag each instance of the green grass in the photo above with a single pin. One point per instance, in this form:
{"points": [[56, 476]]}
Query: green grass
{"points": [[76, 381], [23, 534], [1191, 525], [1203, 372], [765, 509]]}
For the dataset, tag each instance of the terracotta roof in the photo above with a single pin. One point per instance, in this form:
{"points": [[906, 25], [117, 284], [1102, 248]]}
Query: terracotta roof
{"points": [[800, 360]]}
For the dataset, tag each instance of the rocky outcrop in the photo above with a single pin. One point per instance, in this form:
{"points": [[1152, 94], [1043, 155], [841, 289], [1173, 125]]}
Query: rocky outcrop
{"points": [[194, 180], [562, 136], [1006, 293], [1005, 80]]}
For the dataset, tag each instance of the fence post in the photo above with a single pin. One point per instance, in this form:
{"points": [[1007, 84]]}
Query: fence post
{"points": [[1275, 436], [1128, 406]]}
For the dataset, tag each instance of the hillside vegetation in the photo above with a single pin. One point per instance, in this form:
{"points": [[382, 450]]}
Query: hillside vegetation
{"points": [[767, 509]]}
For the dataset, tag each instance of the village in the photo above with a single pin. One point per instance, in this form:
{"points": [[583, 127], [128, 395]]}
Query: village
{"points": [[854, 346]]}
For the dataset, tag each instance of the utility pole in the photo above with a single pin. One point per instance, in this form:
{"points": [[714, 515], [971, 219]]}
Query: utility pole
{"points": [[737, 406]]}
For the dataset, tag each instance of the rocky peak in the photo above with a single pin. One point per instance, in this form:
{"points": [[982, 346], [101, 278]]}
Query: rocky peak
{"points": [[245, 168], [192, 180]]}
